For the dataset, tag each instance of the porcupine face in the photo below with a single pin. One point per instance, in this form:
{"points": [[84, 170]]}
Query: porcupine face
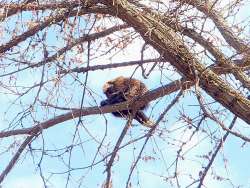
{"points": [[113, 86], [108, 89]]}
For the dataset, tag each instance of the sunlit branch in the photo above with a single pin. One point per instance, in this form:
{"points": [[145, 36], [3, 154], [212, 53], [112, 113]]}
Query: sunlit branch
{"points": [[208, 9], [167, 42]]}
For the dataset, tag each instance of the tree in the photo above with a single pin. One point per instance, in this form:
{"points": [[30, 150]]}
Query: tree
{"points": [[194, 56]]}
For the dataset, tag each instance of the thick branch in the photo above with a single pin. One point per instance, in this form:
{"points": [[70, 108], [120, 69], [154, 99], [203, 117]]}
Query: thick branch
{"points": [[48, 21], [15, 157], [40, 26], [166, 42], [223, 62], [207, 8], [149, 96], [136, 103], [221, 59], [13, 8]]}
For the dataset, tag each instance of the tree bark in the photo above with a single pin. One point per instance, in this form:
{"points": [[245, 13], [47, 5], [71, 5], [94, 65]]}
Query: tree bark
{"points": [[167, 43]]}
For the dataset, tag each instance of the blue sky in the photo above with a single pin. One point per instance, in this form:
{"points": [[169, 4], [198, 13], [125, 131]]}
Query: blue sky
{"points": [[162, 149]]}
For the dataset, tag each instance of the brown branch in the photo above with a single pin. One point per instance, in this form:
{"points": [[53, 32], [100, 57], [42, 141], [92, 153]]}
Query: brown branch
{"points": [[13, 8], [80, 40], [207, 8], [235, 65], [208, 113], [40, 26], [111, 65], [150, 133], [15, 157], [140, 101], [242, 64], [137, 102], [221, 59], [204, 173], [218, 55], [61, 51], [115, 150], [167, 42], [48, 21]]}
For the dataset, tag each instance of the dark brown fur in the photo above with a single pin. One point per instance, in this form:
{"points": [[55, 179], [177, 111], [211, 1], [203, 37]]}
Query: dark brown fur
{"points": [[123, 89]]}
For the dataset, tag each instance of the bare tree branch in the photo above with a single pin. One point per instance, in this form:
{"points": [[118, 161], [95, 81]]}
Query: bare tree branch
{"points": [[166, 42], [204, 173], [16, 157], [208, 9]]}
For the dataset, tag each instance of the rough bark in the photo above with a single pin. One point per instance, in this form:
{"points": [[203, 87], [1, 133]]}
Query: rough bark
{"points": [[167, 43]]}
